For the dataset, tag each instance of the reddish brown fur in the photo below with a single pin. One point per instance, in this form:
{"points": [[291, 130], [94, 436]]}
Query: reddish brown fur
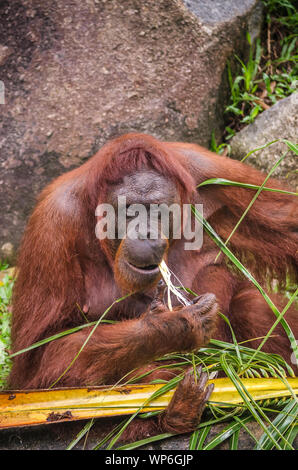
{"points": [[61, 265]]}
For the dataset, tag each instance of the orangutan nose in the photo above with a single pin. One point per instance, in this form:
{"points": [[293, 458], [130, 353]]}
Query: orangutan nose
{"points": [[145, 253]]}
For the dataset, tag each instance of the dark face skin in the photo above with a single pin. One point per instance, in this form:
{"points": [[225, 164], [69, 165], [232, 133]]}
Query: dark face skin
{"points": [[137, 259]]}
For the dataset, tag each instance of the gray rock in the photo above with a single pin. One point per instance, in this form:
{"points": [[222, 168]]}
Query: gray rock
{"points": [[278, 122], [78, 73]]}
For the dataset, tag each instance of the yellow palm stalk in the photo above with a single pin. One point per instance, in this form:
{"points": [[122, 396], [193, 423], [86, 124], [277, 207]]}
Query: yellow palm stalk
{"points": [[25, 408]]}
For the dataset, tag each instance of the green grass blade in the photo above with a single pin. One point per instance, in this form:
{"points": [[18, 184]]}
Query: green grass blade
{"points": [[202, 437], [292, 146], [109, 436], [252, 405], [81, 434], [225, 182], [88, 337], [233, 337], [225, 434], [260, 148], [290, 302], [234, 439], [244, 426], [291, 434], [69, 331], [52, 338], [193, 442], [142, 442], [282, 422], [254, 198], [214, 236]]}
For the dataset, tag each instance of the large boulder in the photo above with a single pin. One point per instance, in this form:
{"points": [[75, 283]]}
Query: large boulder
{"points": [[78, 73], [276, 123]]}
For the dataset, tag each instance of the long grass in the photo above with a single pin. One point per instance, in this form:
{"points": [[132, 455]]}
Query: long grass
{"points": [[6, 284], [267, 75]]}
